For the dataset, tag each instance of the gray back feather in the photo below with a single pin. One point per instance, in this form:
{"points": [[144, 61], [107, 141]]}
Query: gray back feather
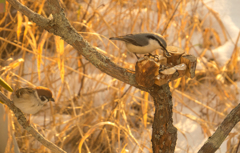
{"points": [[141, 39]]}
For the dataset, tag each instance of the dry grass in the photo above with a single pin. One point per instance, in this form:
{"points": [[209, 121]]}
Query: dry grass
{"points": [[92, 109]]}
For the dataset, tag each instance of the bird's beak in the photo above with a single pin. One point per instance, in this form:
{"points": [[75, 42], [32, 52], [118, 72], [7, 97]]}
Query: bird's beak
{"points": [[51, 99]]}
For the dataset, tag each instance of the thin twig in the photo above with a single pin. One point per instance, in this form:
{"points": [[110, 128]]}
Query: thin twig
{"points": [[237, 148], [60, 26], [84, 15], [111, 113], [215, 141], [23, 121], [165, 28], [83, 77]]}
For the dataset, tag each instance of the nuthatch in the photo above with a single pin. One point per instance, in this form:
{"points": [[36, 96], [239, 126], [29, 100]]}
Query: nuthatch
{"points": [[143, 43]]}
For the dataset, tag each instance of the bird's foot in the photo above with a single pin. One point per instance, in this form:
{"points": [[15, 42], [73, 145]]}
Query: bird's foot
{"points": [[154, 56], [161, 68], [136, 55]]}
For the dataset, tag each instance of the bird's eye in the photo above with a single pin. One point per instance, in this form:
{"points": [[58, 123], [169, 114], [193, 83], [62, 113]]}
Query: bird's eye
{"points": [[43, 98]]}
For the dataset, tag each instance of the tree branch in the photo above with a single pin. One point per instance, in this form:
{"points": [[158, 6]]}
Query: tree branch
{"points": [[23, 121], [164, 134], [215, 141], [60, 26]]}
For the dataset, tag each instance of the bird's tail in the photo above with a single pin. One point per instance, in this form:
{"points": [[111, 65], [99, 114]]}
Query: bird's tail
{"points": [[117, 38]]}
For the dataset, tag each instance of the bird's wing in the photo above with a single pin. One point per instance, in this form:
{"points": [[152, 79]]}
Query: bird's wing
{"points": [[132, 39], [22, 91]]}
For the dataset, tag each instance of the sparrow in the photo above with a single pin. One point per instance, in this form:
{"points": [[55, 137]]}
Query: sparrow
{"points": [[142, 43], [31, 100]]}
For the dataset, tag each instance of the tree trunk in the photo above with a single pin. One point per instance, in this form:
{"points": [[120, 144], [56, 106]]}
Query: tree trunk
{"points": [[164, 134]]}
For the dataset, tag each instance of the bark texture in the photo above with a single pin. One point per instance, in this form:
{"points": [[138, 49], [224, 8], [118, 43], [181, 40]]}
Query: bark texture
{"points": [[164, 135], [215, 141]]}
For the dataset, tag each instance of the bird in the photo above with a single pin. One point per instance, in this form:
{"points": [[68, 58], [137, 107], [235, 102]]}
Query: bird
{"points": [[31, 100], [142, 43]]}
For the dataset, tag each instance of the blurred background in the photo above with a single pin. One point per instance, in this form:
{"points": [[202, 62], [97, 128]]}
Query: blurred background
{"points": [[109, 115]]}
